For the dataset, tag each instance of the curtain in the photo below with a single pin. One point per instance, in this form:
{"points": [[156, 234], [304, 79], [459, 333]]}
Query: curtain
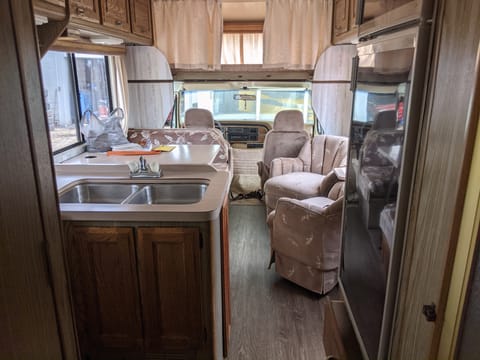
{"points": [[189, 32], [296, 32], [231, 49], [119, 86], [252, 48]]}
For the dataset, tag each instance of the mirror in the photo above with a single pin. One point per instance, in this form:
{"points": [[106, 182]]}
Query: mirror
{"points": [[383, 130]]}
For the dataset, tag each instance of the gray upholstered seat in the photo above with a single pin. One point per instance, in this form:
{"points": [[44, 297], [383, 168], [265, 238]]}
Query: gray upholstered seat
{"points": [[199, 118], [303, 177], [285, 140]]}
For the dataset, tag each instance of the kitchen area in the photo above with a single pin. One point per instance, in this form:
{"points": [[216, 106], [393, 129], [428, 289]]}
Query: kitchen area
{"points": [[146, 253]]}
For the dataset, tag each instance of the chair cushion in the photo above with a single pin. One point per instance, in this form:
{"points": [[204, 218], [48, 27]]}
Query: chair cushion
{"points": [[318, 202], [296, 185]]}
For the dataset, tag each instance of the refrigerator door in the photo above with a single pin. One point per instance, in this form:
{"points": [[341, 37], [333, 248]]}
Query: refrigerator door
{"points": [[388, 95]]}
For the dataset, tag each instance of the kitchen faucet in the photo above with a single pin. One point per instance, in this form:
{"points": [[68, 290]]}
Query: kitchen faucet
{"points": [[141, 169]]}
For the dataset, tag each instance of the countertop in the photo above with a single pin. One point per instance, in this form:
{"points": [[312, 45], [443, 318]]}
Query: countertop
{"points": [[181, 155], [114, 169]]}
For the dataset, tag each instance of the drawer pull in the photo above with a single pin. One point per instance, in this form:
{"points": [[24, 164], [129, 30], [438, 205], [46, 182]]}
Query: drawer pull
{"points": [[80, 11], [118, 22]]}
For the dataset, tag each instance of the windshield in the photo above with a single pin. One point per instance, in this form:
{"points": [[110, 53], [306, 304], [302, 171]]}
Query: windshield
{"points": [[251, 104]]}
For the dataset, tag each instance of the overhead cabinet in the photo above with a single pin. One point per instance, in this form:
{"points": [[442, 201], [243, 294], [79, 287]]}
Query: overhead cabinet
{"points": [[344, 21], [130, 20]]}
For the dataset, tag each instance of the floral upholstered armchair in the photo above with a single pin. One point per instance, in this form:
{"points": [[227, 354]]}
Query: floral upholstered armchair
{"points": [[305, 239], [302, 177]]}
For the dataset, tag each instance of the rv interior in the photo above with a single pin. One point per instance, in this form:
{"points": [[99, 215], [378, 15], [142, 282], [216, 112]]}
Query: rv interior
{"points": [[240, 179]]}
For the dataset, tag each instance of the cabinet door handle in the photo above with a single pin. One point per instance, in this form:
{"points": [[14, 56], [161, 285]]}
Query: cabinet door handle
{"points": [[80, 11], [118, 22]]}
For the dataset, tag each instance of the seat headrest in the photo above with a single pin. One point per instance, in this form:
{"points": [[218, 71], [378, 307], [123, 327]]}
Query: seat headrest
{"points": [[198, 118], [288, 120], [385, 120]]}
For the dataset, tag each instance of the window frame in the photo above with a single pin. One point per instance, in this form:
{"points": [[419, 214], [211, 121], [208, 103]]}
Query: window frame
{"points": [[75, 88]]}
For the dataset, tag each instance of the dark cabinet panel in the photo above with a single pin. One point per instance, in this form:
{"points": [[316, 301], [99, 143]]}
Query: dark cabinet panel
{"points": [[170, 278], [105, 289]]}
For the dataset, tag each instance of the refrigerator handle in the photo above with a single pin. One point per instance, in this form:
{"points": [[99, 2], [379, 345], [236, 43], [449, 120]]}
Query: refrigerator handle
{"points": [[354, 72]]}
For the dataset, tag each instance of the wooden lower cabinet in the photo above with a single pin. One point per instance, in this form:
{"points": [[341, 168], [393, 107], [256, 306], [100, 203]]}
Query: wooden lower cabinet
{"points": [[136, 291], [170, 278]]}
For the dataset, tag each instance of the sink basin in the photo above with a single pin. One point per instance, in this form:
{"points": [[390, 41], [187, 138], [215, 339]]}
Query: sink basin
{"points": [[98, 193], [178, 192], [173, 193]]}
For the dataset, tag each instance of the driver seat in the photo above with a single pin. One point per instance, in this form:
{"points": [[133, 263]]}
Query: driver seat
{"points": [[199, 118], [286, 139]]}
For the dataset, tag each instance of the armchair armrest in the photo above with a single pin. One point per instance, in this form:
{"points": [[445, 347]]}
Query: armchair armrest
{"points": [[308, 231], [284, 165]]}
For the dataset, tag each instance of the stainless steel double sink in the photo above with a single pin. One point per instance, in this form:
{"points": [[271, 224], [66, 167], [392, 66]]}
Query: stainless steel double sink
{"points": [[165, 192]]}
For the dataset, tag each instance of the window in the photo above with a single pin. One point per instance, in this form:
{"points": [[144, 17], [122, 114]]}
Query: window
{"points": [[242, 43], [73, 83], [256, 103], [242, 48]]}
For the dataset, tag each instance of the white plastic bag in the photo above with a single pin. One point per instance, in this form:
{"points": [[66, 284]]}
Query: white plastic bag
{"points": [[101, 134]]}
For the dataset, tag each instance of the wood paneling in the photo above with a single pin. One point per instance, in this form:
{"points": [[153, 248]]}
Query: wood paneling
{"points": [[170, 278], [435, 212], [225, 266], [105, 289], [339, 337], [32, 278]]}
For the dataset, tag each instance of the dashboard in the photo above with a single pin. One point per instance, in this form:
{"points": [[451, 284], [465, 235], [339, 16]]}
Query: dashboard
{"points": [[248, 134]]}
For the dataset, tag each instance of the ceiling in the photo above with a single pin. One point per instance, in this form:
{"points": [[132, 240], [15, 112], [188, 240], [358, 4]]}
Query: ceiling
{"points": [[243, 10]]}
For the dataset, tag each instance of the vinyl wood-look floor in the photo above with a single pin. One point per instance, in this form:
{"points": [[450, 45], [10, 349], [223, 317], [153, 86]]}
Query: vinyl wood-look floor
{"points": [[272, 318]]}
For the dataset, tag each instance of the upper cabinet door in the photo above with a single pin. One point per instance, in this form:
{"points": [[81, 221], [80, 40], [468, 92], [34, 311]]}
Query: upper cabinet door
{"points": [[140, 15], [115, 14], [340, 20], [85, 9]]}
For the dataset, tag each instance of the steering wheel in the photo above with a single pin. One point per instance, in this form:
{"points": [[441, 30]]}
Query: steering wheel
{"points": [[219, 126]]}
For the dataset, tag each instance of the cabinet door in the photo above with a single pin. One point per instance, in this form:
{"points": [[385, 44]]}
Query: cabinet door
{"points": [[115, 14], [105, 290], [170, 278], [340, 19], [140, 16], [85, 9], [353, 14]]}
